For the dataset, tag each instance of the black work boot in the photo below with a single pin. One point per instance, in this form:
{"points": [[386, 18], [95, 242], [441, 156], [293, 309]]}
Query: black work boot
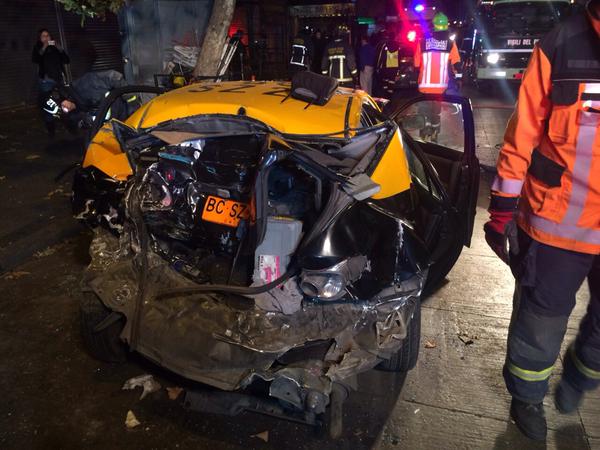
{"points": [[568, 398], [530, 419]]}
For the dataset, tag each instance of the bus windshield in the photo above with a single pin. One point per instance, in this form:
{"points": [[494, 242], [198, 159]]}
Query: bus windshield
{"points": [[525, 16]]}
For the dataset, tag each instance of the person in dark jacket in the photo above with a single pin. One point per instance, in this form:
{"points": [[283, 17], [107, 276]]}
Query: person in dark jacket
{"points": [[51, 60], [76, 104], [302, 52], [338, 59], [366, 64], [318, 46]]}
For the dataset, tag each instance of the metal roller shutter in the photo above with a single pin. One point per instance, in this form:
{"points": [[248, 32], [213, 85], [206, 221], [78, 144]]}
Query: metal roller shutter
{"points": [[95, 46]]}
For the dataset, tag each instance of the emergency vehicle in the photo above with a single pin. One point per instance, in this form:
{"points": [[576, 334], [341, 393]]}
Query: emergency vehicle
{"points": [[509, 31], [394, 68]]}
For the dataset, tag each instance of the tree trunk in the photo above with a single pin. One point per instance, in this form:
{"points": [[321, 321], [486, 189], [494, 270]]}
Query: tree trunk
{"points": [[215, 38]]}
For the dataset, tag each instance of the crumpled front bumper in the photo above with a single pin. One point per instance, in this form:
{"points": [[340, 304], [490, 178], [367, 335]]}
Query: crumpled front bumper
{"points": [[226, 342]]}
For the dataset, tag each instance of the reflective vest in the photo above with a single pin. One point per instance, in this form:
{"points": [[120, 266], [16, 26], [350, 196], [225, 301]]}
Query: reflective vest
{"points": [[391, 60], [434, 56], [551, 151]]}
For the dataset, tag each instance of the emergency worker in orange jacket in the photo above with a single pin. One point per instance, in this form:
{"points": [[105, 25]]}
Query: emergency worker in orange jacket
{"points": [[545, 219], [436, 57]]}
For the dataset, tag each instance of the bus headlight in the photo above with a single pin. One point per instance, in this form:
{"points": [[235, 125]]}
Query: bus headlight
{"points": [[493, 58]]}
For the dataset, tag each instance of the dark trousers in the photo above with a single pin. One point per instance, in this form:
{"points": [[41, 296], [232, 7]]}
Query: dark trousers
{"points": [[548, 279], [45, 86]]}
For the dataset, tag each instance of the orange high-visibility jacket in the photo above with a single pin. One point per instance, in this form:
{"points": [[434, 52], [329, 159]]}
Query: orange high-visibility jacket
{"points": [[551, 151], [435, 57]]}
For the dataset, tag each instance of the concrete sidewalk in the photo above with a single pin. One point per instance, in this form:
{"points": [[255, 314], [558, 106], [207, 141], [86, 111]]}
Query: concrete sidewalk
{"points": [[36, 211], [455, 398]]}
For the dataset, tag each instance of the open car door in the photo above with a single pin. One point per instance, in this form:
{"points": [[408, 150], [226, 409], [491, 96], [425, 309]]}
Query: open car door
{"points": [[439, 139]]}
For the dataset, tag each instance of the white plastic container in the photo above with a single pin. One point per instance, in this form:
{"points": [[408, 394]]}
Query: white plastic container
{"points": [[273, 255]]}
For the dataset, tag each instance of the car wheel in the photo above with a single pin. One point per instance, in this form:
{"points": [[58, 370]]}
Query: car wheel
{"points": [[406, 358], [104, 343]]}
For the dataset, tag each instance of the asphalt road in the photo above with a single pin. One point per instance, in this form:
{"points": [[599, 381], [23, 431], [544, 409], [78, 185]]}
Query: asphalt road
{"points": [[56, 396]]}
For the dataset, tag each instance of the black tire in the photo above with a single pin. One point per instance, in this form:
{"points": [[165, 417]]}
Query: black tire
{"points": [[105, 344], [406, 358]]}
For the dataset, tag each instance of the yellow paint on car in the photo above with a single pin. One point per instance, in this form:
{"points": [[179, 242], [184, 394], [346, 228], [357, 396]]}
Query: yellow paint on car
{"points": [[392, 172], [265, 102], [105, 154]]}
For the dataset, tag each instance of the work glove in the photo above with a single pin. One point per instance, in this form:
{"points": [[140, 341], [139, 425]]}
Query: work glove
{"points": [[501, 229]]}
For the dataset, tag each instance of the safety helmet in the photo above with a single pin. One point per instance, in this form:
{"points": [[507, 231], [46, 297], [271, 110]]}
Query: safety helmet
{"points": [[342, 30], [440, 22]]}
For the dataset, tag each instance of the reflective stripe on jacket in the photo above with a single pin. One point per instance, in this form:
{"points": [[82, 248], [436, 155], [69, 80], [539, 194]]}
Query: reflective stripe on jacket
{"points": [[434, 56], [551, 151], [302, 52], [339, 61]]}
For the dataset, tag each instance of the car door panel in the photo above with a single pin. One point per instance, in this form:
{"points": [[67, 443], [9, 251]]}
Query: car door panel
{"points": [[448, 154]]}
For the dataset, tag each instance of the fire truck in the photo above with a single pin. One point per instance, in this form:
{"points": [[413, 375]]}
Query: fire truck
{"points": [[507, 31]]}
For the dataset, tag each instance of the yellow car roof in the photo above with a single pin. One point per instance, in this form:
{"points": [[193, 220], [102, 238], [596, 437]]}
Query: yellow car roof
{"points": [[263, 101]]}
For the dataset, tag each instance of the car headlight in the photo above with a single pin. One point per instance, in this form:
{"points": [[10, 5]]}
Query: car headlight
{"points": [[493, 58], [323, 286], [330, 283]]}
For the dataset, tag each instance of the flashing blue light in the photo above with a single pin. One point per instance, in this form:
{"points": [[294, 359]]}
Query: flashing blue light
{"points": [[419, 7]]}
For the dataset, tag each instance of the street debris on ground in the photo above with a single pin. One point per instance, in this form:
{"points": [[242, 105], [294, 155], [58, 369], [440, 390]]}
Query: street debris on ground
{"points": [[147, 382], [30, 157], [263, 436], [131, 421], [467, 339], [174, 392]]}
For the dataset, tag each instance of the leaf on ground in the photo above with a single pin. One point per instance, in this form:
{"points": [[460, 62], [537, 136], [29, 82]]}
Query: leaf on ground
{"points": [[3, 177], [174, 392], [42, 253], [131, 421], [54, 192], [264, 436], [32, 157], [430, 344], [14, 275]]}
